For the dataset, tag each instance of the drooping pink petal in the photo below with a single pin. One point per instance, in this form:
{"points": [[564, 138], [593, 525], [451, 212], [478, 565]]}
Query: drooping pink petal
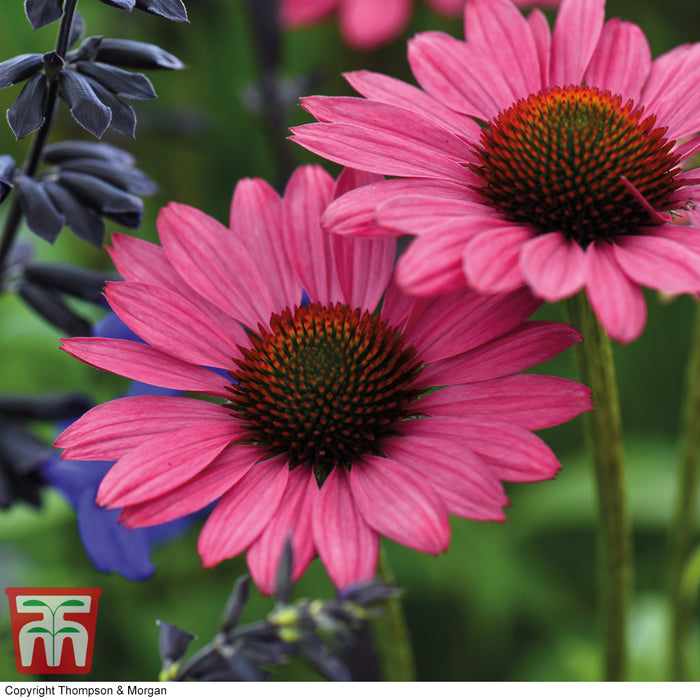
{"points": [[553, 266], [490, 260], [411, 512], [414, 212], [659, 263], [351, 179], [308, 246], [464, 482], [574, 39], [514, 453], [215, 262], [196, 493], [621, 61], [354, 212], [384, 88], [528, 345], [457, 75], [256, 218], [163, 462], [531, 401], [498, 29], [438, 332], [170, 323], [366, 25], [145, 364], [243, 512], [617, 301], [292, 519], [542, 36], [108, 431], [347, 545]]}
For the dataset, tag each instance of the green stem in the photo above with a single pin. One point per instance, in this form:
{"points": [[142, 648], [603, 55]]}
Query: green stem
{"points": [[604, 432], [36, 151], [391, 633], [684, 517]]}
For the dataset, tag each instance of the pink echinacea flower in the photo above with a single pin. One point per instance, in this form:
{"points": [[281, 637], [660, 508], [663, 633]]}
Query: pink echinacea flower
{"points": [[360, 413], [368, 24], [528, 156]]}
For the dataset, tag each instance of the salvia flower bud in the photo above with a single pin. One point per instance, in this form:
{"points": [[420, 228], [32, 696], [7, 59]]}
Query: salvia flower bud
{"points": [[43, 12]]}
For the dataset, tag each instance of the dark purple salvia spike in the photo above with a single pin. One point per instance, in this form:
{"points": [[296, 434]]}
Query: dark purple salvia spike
{"points": [[129, 179], [131, 86], [85, 107], [53, 407], [266, 29], [135, 54], [319, 656], [121, 4], [123, 115], [43, 12], [69, 150], [170, 9], [50, 306], [21, 455], [110, 201], [24, 450], [7, 175], [69, 279], [84, 222], [27, 113], [172, 642], [42, 216], [235, 604], [19, 68], [77, 29]]}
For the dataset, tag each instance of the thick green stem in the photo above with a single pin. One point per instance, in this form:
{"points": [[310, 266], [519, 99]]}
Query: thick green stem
{"points": [[684, 517], [36, 151], [391, 633], [604, 431]]}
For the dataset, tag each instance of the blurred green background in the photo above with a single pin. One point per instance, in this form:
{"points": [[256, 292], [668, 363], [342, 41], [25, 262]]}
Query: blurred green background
{"points": [[506, 602]]}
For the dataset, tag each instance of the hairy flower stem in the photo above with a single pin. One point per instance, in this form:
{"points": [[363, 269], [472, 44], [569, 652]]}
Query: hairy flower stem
{"points": [[684, 517], [14, 216], [391, 633], [604, 432]]}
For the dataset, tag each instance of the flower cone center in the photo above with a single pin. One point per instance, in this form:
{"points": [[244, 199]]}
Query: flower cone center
{"points": [[324, 385], [557, 159]]}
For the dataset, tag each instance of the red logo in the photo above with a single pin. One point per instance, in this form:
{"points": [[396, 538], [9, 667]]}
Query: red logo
{"points": [[53, 629]]}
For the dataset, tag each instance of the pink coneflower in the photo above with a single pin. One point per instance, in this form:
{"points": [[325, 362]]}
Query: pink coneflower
{"points": [[368, 24], [325, 421], [529, 156]]}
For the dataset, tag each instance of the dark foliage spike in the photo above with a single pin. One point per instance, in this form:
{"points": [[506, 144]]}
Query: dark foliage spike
{"points": [[136, 54], [39, 211], [132, 86], [19, 68], [27, 112], [84, 105], [52, 407], [170, 9], [65, 150], [83, 221], [123, 115], [43, 12], [49, 305]]}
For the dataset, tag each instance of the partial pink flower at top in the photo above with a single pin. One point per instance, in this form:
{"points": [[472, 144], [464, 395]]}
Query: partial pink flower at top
{"points": [[532, 157], [368, 24], [328, 419]]}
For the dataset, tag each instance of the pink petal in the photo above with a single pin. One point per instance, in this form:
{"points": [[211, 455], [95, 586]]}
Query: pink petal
{"points": [[617, 301], [309, 248], [293, 518], [542, 36], [514, 453], [449, 8], [458, 75], [464, 482], [303, 12], [491, 259], [531, 401], [453, 324], [621, 61], [196, 493], [348, 547], [659, 263], [498, 29], [145, 364], [256, 218], [391, 141], [553, 267], [576, 33], [399, 505], [162, 463], [351, 179], [214, 261], [528, 345], [365, 25], [397, 306], [108, 431], [415, 212], [170, 323], [432, 264], [383, 88], [243, 512]]}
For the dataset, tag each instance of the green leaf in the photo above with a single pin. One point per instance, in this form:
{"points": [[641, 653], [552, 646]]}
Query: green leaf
{"points": [[34, 603], [39, 629], [73, 603], [68, 630]]}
